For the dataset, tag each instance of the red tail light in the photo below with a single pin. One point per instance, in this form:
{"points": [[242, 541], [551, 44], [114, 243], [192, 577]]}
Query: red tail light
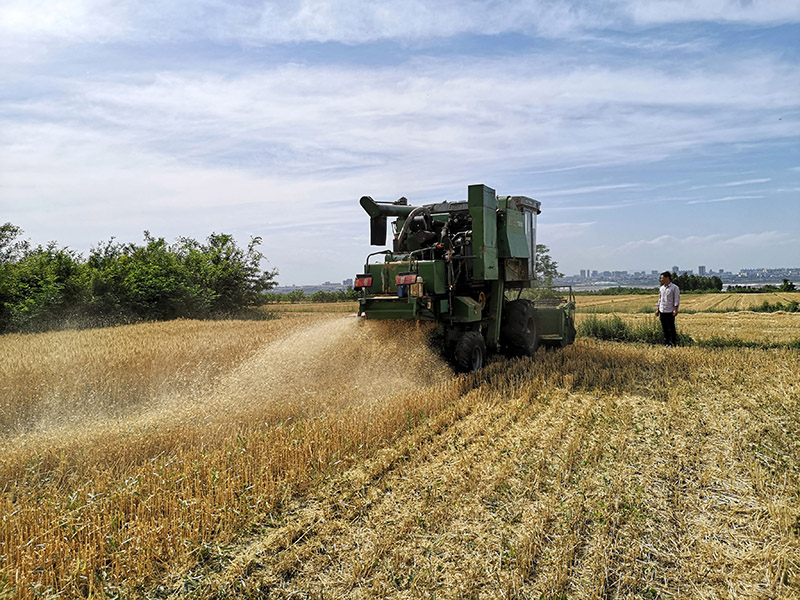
{"points": [[405, 278], [362, 281]]}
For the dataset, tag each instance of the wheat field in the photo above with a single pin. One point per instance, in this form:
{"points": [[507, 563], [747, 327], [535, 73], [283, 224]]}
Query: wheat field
{"points": [[745, 326], [627, 303], [313, 307], [319, 455], [631, 303]]}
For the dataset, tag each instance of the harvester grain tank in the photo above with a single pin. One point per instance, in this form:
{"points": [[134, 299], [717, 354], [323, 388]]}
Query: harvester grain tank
{"points": [[463, 265]]}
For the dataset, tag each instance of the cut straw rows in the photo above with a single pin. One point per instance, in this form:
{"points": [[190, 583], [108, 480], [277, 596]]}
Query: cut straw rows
{"points": [[359, 465], [528, 486]]}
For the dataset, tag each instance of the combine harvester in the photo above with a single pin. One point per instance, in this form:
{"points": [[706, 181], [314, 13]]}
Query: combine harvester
{"points": [[463, 265]]}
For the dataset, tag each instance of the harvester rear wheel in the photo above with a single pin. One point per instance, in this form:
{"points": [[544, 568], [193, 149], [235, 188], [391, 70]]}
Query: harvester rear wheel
{"points": [[519, 332], [470, 352]]}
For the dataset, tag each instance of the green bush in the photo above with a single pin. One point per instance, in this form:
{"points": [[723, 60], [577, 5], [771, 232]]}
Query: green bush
{"points": [[688, 283], [615, 329], [770, 307], [321, 296], [41, 287], [649, 332], [46, 287], [610, 329]]}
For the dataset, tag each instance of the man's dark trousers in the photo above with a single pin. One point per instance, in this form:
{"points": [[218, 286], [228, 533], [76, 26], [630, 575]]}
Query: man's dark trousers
{"points": [[668, 325]]}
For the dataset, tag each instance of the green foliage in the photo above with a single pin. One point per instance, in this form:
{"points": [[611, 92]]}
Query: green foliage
{"points": [[342, 295], [348, 295], [611, 329], [546, 269], [39, 286], [649, 332], [633, 291], [689, 283], [785, 286], [615, 329], [42, 288], [619, 291], [770, 307], [295, 296], [11, 248]]}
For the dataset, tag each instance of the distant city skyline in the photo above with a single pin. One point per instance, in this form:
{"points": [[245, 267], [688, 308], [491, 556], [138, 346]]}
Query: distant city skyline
{"points": [[743, 275], [728, 277]]}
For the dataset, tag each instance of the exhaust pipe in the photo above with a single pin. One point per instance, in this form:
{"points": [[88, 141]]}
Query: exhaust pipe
{"points": [[378, 212]]}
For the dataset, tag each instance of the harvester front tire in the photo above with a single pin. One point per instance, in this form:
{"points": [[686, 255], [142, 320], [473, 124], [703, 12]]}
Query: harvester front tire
{"points": [[470, 352], [519, 332]]}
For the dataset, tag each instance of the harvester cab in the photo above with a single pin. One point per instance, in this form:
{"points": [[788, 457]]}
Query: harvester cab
{"points": [[458, 264]]}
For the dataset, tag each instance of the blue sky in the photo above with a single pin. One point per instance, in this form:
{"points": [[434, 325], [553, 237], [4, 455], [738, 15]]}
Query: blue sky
{"points": [[654, 133]]}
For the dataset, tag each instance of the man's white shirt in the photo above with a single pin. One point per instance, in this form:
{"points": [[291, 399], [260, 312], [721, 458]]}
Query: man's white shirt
{"points": [[669, 297]]}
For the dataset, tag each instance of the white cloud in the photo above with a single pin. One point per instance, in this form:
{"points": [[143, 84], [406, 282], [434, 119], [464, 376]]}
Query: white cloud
{"points": [[725, 199], [748, 240], [558, 232], [278, 147], [731, 183], [64, 20], [748, 11], [526, 113], [762, 239], [599, 206], [359, 21], [591, 189], [290, 21]]}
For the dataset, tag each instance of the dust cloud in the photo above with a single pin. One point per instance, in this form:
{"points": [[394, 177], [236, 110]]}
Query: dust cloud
{"points": [[307, 370], [342, 362]]}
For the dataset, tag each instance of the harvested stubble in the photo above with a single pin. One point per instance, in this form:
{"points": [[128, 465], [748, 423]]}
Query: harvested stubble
{"points": [[778, 327], [599, 471], [631, 303], [602, 471]]}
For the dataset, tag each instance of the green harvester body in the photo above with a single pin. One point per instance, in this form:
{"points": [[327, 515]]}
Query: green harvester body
{"points": [[459, 264]]}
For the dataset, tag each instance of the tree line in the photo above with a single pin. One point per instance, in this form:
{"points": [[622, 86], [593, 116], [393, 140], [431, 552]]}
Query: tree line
{"points": [[696, 283], [43, 287], [686, 283], [785, 286], [321, 296]]}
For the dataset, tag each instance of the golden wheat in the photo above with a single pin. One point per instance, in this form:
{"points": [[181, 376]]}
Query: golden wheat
{"points": [[313, 307], [777, 327], [362, 468], [631, 303], [112, 495]]}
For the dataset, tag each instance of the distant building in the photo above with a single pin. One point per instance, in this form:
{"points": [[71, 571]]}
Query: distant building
{"points": [[649, 278]]}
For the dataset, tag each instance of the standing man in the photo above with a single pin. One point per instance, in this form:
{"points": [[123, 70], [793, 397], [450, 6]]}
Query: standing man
{"points": [[669, 297]]}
